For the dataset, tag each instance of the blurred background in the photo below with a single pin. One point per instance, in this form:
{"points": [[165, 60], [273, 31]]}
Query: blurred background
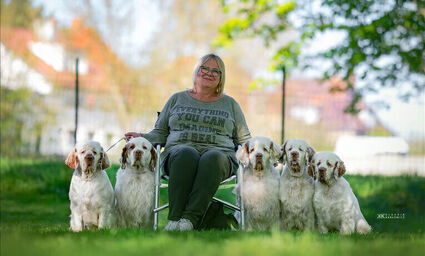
{"points": [[354, 81]]}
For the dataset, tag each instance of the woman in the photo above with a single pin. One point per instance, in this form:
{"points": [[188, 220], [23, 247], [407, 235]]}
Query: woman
{"points": [[201, 129]]}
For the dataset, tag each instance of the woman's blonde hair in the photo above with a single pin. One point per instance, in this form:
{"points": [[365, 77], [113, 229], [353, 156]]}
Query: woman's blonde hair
{"points": [[220, 63]]}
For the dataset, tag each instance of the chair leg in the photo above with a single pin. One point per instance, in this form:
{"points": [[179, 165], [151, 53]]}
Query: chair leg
{"points": [[157, 185], [240, 184]]}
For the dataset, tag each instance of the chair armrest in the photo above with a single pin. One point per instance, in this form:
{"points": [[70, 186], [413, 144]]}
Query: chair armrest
{"points": [[233, 177]]}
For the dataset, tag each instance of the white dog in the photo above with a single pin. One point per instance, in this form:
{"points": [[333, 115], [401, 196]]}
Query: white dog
{"points": [[335, 204], [260, 183], [134, 189], [90, 193], [296, 186]]}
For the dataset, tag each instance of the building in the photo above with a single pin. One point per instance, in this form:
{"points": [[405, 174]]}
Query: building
{"points": [[43, 59]]}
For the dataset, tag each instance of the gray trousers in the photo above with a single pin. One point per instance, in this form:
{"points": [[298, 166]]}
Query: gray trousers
{"points": [[194, 179]]}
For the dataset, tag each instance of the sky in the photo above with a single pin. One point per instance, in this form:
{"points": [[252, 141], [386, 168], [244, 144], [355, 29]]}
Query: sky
{"points": [[404, 119]]}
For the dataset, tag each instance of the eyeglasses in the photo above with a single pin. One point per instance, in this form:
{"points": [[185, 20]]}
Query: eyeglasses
{"points": [[215, 72]]}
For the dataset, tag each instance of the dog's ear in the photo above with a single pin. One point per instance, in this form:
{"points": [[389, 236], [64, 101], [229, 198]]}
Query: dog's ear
{"points": [[310, 154], [242, 154], [103, 161], [312, 169], [276, 153], [341, 168], [72, 159], [153, 159], [283, 157], [123, 159]]}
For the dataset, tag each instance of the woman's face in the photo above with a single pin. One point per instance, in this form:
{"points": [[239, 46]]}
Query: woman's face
{"points": [[208, 77]]}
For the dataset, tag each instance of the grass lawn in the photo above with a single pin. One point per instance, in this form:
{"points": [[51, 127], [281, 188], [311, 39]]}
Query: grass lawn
{"points": [[34, 220]]}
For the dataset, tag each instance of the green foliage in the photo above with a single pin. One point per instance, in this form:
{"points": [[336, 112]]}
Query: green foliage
{"points": [[261, 83], [35, 212], [23, 118], [19, 13], [384, 43], [247, 20], [284, 55], [417, 147], [14, 104], [379, 130]]}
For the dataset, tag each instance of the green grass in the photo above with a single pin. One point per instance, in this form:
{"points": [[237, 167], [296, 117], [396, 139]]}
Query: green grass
{"points": [[34, 220]]}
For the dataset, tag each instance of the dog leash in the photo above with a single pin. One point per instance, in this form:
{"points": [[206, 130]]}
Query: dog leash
{"points": [[123, 138]]}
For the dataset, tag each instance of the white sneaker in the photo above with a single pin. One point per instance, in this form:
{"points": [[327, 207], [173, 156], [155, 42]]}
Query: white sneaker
{"points": [[172, 226], [185, 225]]}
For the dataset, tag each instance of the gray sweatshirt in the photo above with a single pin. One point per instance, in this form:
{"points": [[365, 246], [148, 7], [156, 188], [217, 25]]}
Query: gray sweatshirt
{"points": [[202, 125]]}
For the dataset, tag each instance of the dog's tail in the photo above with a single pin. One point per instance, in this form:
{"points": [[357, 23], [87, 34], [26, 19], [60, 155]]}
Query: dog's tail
{"points": [[362, 227]]}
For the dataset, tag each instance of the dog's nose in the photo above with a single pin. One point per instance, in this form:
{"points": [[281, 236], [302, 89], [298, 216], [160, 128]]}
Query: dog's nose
{"points": [[294, 154], [322, 170], [138, 153], [89, 157], [258, 155]]}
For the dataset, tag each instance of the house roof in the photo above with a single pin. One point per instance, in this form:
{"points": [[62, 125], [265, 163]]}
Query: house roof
{"points": [[79, 39], [312, 93]]}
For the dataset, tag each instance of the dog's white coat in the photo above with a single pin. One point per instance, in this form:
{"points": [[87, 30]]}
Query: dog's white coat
{"points": [[134, 189], [90, 192], [334, 202], [296, 187], [260, 183]]}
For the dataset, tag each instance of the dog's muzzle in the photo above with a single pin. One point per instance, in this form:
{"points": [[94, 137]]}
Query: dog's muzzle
{"points": [[322, 174], [259, 161], [259, 167], [294, 165], [89, 159], [294, 159]]}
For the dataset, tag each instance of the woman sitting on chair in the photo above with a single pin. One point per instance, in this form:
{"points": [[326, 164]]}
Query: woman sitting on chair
{"points": [[201, 129]]}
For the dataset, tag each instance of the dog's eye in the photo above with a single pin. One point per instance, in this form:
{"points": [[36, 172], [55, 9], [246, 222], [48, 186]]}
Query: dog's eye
{"points": [[318, 163], [94, 152], [301, 150], [144, 147], [252, 150], [132, 146], [290, 148], [265, 149], [82, 152], [328, 164]]}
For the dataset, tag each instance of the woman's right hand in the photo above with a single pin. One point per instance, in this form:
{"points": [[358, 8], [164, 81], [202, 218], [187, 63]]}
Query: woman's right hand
{"points": [[130, 135]]}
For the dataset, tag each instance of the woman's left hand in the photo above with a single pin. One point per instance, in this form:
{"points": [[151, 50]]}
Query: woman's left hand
{"points": [[130, 135]]}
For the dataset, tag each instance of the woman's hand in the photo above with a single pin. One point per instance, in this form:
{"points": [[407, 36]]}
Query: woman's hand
{"points": [[130, 135]]}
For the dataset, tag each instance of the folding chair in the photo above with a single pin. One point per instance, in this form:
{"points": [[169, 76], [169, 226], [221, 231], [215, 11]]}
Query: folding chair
{"points": [[224, 184]]}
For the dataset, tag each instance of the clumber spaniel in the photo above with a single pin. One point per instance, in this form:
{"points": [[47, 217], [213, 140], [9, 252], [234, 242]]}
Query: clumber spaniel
{"points": [[134, 189], [296, 186], [91, 193], [335, 204], [260, 183]]}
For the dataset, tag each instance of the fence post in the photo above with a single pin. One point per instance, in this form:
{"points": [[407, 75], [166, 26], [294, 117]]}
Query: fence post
{"points": [[76, 101], [283, 104]]}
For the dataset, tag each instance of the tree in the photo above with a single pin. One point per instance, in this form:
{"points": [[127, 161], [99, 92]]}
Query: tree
{"points": [[19, 13], [23, 116], [114, 20], [383, 46]]}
